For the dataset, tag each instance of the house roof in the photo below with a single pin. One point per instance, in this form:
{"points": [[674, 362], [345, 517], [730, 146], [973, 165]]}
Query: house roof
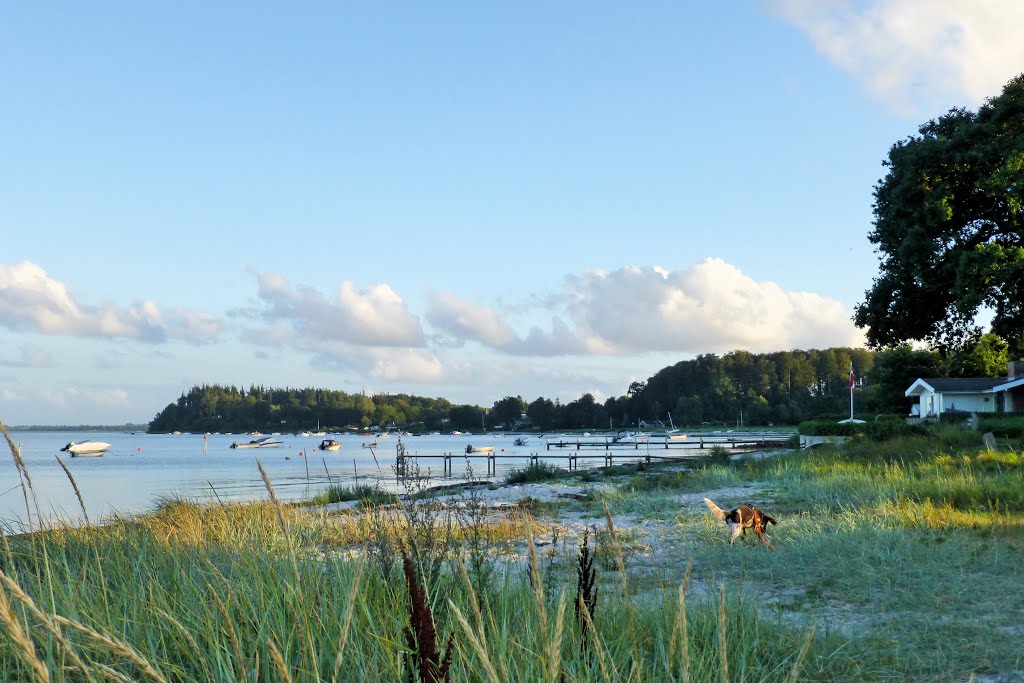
{"points": [[973, 385], [946, 385]]}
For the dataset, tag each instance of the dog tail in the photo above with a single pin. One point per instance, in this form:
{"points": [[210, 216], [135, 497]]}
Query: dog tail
{"points": [[718, 512]]}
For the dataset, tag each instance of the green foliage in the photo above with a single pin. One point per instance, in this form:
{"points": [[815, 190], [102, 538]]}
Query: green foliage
{"points": [[830, 428], [534, 472], [948, 228], [370, 495], [895, 370], [987, 357], [1009, 426]]}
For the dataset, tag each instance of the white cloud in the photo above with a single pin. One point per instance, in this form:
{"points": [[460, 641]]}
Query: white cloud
{"points": [[710, 307], [32, 356], [917, 56], [467, 321], [372, 317], [31, 300]]}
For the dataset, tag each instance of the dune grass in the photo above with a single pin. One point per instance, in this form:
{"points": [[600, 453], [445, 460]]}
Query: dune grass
{"points": [[896, 561]]}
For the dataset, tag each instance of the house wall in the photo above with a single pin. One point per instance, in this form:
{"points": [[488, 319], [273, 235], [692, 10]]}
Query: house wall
{"points": [[971, 403], [931, 404]]}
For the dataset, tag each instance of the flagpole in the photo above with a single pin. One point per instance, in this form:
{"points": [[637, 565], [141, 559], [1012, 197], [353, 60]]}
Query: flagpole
{"points": [[851, 389]]}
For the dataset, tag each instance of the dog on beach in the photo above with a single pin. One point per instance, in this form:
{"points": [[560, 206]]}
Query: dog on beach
{"points": [[742, 518]]}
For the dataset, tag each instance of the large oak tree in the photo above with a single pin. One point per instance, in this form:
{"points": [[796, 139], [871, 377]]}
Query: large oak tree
{"points": [[948, 222]]}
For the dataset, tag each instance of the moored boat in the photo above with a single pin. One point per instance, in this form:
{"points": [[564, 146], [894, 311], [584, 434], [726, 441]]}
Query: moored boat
{"points": [[329, 445], [262, 442], [479, 449], [520, 441], [86, 449]]}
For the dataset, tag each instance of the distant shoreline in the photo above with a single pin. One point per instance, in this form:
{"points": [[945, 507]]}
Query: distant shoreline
{"points": [[129, 427]]}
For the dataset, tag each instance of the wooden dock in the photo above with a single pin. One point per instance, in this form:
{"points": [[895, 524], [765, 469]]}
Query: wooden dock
{"points": [[607, 450]]}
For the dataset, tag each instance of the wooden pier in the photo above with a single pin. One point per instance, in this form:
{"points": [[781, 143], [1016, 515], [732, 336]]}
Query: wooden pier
{"points": [[573, 450]]}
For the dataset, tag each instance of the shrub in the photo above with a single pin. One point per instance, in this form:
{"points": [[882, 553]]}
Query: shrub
{"points": [[534, 472], [830, 428], [1005, 426], [361, 492]]}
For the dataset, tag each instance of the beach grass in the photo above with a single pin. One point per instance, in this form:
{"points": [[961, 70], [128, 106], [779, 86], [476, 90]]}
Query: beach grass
{"points": [[896, 561]]}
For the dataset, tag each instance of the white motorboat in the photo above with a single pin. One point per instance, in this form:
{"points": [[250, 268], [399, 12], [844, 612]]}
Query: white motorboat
{"points": [[329, 445], [262, 442], [86, 449], [486, 450]]}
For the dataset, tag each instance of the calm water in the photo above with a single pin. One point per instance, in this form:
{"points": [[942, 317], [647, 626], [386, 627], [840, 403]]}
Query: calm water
{"points": [[139, 468]]}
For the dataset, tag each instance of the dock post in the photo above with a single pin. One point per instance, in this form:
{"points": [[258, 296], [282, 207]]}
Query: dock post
{"points": [[702, 443], [534, 459]]}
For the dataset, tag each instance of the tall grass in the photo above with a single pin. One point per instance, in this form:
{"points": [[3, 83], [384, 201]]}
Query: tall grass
{"points": [[265, 592], [917, 540]]}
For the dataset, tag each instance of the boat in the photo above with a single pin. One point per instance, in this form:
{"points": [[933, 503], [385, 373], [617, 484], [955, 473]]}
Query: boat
{"points": [[370, 444], [86, 449], [486, 450], [520, 441], [329, 445], [261, 442]]}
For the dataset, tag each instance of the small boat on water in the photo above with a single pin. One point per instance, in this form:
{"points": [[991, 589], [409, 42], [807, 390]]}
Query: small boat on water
{"points": [[520, 441], [86, 449], [370, 444], [329, 445], [479, 449], [262, 442]]}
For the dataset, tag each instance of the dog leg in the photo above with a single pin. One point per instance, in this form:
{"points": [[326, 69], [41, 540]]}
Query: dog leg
{"points": [[764, 538]]}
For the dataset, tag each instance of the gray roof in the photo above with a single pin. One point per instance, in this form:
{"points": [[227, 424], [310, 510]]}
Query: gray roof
{"points": [[946, 385]]}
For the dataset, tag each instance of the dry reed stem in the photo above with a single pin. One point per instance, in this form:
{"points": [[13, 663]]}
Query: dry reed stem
{"points": [[232, 634], [22, 640], [295, 564], [347, 620], [803, 653], [722, 654], [19, 464], [113, 674], [275, 654], [473, 602], [123, 649], [621, 563], [555, 643], [601, 659], [45, 620], [191, 641], [477, 644], [74, 485], [681, 627], [536, 582]]}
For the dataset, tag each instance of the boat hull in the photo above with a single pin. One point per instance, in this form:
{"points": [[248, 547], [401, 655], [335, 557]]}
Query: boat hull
{"points": [[86, 449]]}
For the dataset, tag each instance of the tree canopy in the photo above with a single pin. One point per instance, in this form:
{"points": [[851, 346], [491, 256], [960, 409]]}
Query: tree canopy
{"points": [[948, 218]]}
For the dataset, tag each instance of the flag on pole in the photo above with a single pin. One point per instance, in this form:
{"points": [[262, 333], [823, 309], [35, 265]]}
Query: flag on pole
{"points": [[851, 373]]}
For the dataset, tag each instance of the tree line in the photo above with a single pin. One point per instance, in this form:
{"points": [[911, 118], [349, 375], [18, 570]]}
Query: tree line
{"points": [[736, 388]]}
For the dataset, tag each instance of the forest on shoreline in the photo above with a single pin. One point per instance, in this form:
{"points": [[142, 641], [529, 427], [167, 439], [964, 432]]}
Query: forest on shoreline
{"points": [[739, 387]]}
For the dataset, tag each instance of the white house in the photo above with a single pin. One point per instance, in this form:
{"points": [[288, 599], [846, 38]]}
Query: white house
{"points": [[978, 395]]}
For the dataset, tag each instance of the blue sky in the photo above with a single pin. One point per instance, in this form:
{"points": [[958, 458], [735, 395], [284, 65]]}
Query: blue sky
{"points": [[450, 199]]}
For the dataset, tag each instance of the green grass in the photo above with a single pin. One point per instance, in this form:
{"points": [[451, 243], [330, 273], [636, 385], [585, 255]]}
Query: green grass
{"points": [[365, 494], [534, 472], [903, 555]]}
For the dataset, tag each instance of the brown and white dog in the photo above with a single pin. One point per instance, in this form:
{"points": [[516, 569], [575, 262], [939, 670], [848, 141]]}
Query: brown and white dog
{"points": [[742, 518]]}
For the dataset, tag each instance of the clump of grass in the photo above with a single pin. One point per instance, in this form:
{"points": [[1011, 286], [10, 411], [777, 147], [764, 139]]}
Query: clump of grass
{"points": [[364, 493], [534, 472]]}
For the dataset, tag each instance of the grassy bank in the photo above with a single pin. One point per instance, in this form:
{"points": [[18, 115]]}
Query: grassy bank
{"points": [[902, 556]]}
